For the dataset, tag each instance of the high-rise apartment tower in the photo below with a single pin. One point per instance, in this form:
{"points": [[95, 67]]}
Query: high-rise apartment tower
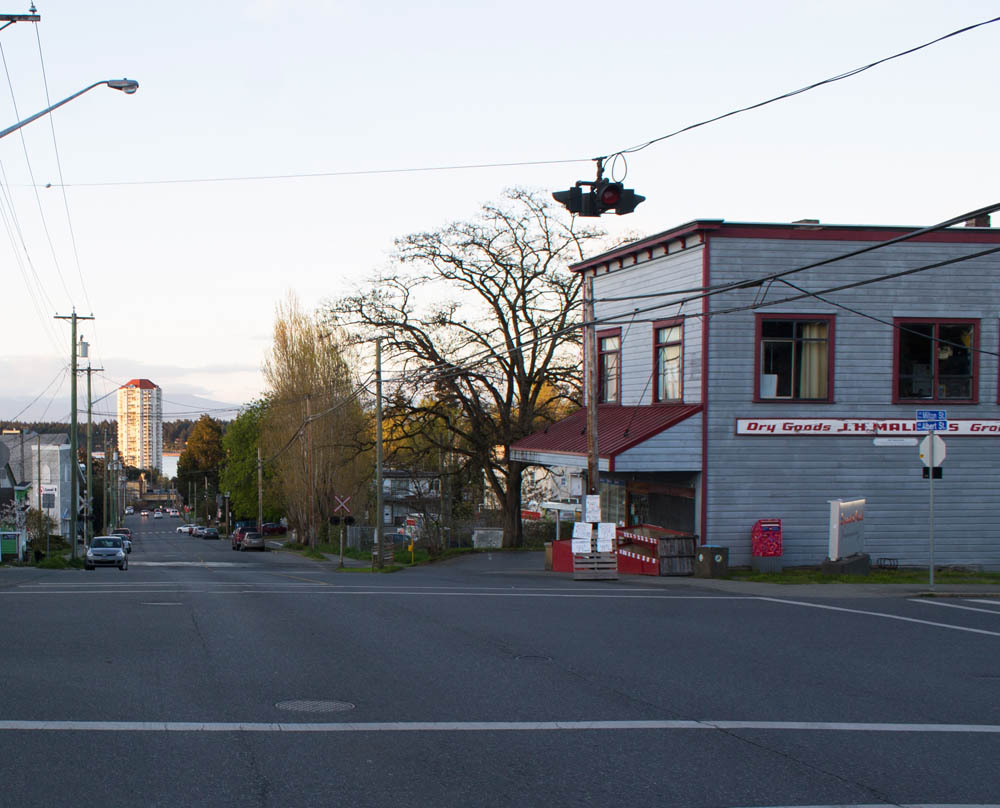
{"points": [[140, 424]]}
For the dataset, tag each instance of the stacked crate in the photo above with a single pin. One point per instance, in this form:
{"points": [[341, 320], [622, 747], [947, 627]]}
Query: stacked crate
{"points": [[652, 550]]}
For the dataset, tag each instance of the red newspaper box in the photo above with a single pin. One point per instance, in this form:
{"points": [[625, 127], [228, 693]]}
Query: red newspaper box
{"points": [[766, 540]]}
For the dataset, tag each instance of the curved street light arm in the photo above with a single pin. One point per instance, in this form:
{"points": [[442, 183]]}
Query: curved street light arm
{"points": [[126, 85]]}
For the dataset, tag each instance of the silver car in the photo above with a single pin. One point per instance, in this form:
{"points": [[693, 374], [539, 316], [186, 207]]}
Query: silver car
{"points": [[106, 551], [252, 541]]}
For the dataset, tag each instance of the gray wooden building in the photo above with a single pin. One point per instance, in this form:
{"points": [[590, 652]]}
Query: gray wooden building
{"points": [[747, 369]]}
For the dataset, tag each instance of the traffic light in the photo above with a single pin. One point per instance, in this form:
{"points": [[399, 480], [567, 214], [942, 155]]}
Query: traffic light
{"points": [[571, 199], [603, 196], [614, 196]]}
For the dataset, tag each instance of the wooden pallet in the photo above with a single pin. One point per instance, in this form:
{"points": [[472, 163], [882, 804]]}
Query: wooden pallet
{"points": [[595, 567]]}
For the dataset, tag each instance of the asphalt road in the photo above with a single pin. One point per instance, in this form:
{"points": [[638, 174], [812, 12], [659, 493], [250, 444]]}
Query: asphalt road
{"points": [[480, 682]]}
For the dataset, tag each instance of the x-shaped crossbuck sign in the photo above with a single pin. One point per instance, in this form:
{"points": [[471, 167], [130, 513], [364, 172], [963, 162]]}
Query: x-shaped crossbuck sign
{"points": [[342, 503]]}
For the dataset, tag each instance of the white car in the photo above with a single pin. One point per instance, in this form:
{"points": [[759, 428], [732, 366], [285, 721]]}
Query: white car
{"points": [[129, 510], [185, 529], [157, 515], [143, 513]]}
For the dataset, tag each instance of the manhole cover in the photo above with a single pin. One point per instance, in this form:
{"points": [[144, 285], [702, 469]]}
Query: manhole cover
{"points": [[533, 658], [313, 706]]}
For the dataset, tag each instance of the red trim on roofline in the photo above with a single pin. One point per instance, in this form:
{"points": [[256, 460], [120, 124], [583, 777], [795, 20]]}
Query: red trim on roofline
{"points": [[802, 231]]}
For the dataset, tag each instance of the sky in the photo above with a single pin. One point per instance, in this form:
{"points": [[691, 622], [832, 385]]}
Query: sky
{"points": [[171, 215]]}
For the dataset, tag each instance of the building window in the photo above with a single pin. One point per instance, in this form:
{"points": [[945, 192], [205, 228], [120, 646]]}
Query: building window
{"points": [[935, 360], [794, 358], [609, 366], [668, 352]]}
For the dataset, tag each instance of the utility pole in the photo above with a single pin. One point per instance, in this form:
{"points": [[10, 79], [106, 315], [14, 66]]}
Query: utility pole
{"points": [[260, 494], [88, 527], [74, 494], [379, 537], [104, 502], [309, 471]]}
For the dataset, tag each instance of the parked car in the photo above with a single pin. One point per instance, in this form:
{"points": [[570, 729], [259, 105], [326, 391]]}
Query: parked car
{"points": [[238, 535], [157, 515], [185, 529], [273, 529], [196, 531], [106, 551], [209, 533], [252, 540]]}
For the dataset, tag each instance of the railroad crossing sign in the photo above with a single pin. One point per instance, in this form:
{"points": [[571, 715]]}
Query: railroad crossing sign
{"points": [[343, 503]]}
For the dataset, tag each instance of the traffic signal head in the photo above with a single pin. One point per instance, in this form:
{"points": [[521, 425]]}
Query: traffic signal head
{"points": [[603, 196], [614, 196]]}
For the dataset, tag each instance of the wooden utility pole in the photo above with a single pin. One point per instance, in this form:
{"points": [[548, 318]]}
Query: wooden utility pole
{"points": [[260, 494], [74, 492], [88, 527], [379, 530], [309, 472]]}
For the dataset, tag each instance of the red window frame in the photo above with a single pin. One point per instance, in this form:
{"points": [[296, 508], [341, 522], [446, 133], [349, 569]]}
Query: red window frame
{"points": [[601, 391], [899, 322], [677, 322], [830, 320]]}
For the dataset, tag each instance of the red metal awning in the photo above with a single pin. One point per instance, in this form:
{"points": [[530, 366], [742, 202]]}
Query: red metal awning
{"points": [[618, 429]]}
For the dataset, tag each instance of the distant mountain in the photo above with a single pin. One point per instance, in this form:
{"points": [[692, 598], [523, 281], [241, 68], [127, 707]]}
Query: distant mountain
{"points": [[176, 406]]}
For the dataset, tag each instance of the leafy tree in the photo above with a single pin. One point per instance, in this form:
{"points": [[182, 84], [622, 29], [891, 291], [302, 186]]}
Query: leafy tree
{"points": [[239, 468], [478, 318], [314, 421], [40, 526], [200, 462]]}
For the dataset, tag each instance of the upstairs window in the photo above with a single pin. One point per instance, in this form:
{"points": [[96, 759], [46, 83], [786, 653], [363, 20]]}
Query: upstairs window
{"points": [[667, 357], [936, 360], [794, 358], [609, 356]]}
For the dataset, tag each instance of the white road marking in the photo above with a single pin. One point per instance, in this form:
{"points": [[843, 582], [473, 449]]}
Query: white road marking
{"points": [[900, 805], [933, 602], [330, 590], [881, 614], [483, 726], [994, 602], [161, 603]]}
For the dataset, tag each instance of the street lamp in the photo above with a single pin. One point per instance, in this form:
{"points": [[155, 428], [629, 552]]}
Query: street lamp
{"points": [[128, 86]]}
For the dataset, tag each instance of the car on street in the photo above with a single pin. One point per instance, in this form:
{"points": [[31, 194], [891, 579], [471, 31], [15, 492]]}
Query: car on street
{"points": [[273, 529], [157, 515], [238, 534], [143, 513], [129, 510], [209, 533], [185, 529], [106, 551], [252, 540], [196, 531], [126, 534]]}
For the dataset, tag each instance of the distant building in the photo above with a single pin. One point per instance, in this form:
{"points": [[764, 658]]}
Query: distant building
{"points": [[140, 424], [42, 465]]}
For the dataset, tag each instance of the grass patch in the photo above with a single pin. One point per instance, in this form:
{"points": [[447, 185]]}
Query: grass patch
{"points": [[914, 575], [60, 562]]}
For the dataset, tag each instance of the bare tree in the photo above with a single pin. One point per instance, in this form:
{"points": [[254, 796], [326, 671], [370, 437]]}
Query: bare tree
{"points": [[314, 429], [479, 321]]}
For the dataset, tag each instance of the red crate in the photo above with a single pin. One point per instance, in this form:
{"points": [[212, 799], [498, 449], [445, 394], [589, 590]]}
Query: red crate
{"points": [[766, 538]]}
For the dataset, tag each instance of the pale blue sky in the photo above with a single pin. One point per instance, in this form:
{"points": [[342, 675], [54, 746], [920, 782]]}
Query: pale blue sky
{"points": [[183, 278]]}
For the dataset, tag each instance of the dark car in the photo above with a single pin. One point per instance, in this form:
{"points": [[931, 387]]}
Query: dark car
{"points": [[273, 529], [209, 533], [106, 551]]}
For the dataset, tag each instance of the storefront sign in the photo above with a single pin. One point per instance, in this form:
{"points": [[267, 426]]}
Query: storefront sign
{"points": [[847, 528], [860, 426]]}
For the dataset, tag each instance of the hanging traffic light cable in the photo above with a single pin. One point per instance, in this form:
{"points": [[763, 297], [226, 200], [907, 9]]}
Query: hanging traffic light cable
{"points": [[604, 195]]}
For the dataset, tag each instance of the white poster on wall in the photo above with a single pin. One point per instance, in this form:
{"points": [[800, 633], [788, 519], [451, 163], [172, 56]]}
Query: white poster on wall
{"points": [[592, 508], [847, 528], [606, 537], [583, 533]]}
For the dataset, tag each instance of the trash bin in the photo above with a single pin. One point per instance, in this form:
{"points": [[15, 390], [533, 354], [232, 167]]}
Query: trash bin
{"points": [[711, 561]]}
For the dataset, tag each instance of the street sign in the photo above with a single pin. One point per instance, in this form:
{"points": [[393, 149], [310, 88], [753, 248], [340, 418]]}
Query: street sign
{"points": [[895, 441], [343, 503], [932, 426], [938, 448], [932, 415]]}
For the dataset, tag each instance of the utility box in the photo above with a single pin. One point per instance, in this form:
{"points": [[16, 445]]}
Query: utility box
{"points": [[711, 561]]}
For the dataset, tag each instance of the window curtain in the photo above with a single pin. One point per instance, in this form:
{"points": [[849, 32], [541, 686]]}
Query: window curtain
{"points": [[813, 375]]}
